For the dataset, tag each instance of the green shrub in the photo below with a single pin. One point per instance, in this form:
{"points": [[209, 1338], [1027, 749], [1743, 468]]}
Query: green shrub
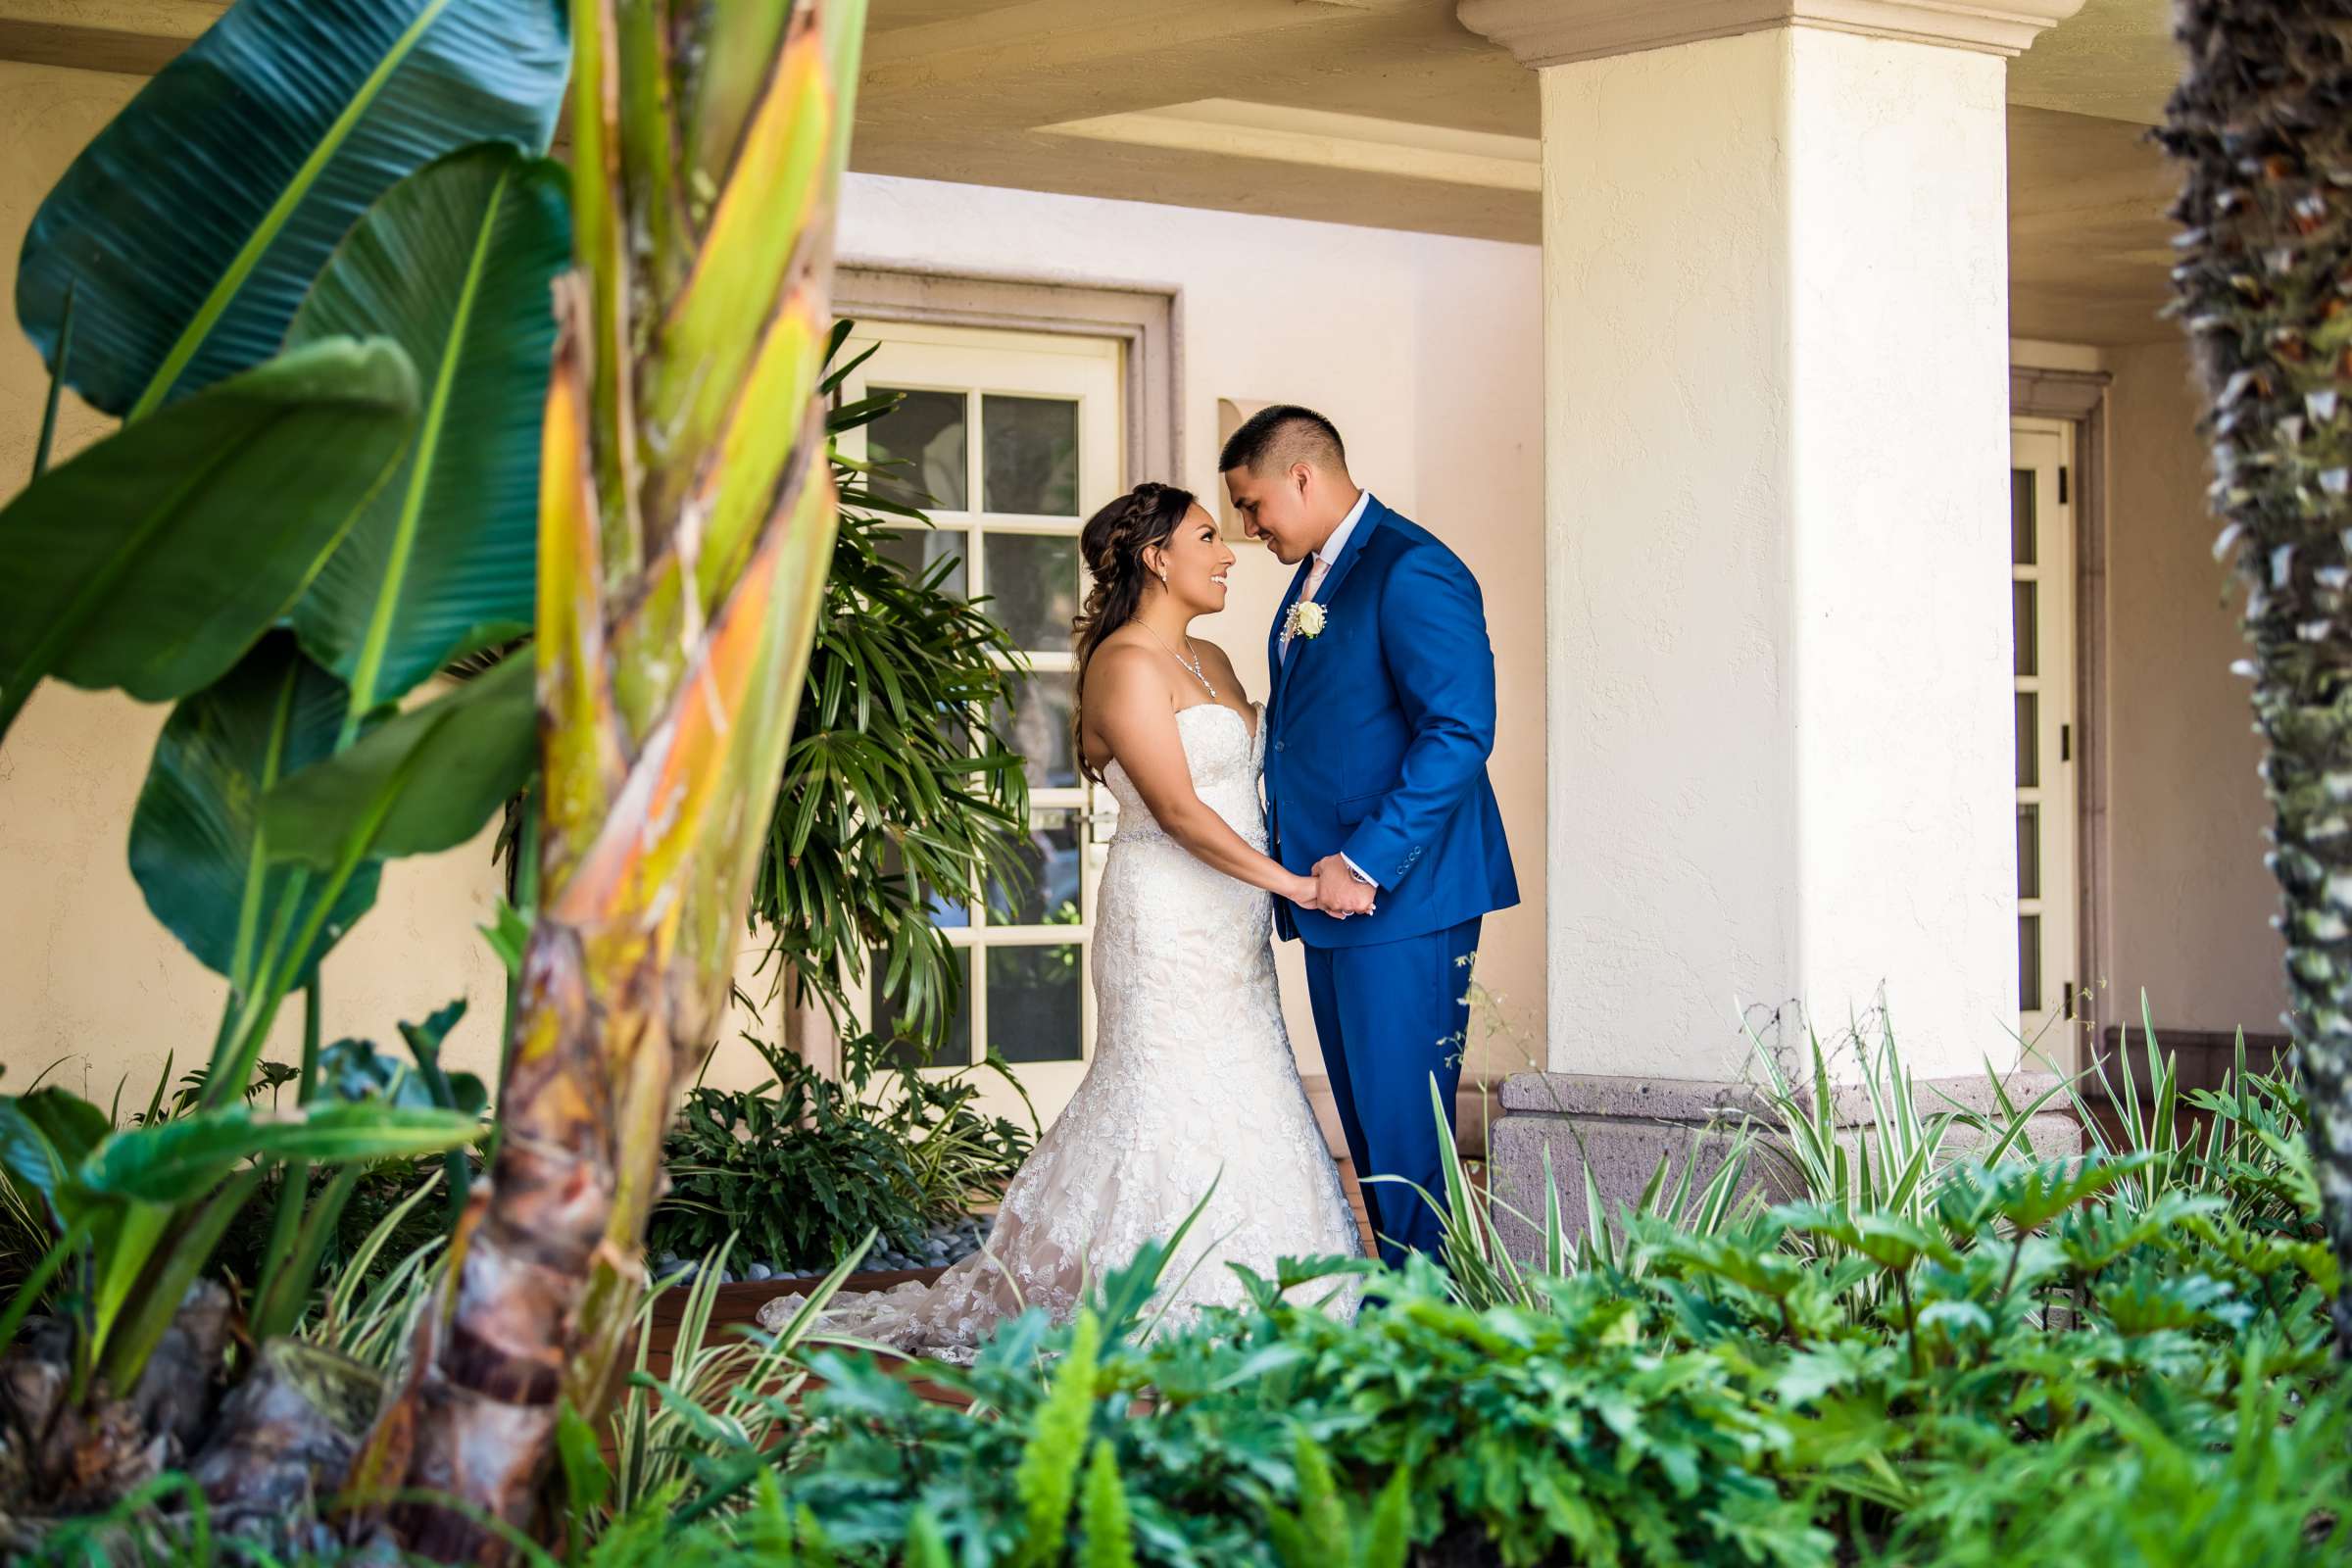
{"points": [[800, 1168]]}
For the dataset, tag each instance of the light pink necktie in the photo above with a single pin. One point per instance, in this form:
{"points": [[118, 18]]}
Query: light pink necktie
{"points": [[1314, 584]]}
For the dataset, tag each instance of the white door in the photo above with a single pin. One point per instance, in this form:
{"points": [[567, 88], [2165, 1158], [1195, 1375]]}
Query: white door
{"points": [[2041, 570], [1011, 441]]}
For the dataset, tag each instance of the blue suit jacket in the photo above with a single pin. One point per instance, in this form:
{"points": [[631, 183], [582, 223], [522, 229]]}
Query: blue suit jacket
{"points": [[1378, 732]]}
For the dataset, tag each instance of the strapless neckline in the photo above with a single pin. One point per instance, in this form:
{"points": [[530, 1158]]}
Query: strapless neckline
{"points": [[1251, 720]]}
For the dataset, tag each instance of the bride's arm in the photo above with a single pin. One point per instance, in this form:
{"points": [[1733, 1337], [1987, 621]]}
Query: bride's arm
{"points": [[1127, 703]]}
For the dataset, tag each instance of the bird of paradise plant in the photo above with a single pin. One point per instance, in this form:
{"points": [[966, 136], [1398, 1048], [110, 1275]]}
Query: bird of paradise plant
{"points": [[686, 518]]}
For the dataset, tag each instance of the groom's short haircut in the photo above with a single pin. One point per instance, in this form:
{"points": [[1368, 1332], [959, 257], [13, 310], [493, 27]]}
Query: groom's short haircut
{"points": [[1272, 439]]}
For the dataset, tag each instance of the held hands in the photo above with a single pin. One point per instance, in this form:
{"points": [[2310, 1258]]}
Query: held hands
{"points": [[1338, 893]]}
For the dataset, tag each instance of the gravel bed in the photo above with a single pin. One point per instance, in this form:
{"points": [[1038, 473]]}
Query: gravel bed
{"points": [[945, 1245]]}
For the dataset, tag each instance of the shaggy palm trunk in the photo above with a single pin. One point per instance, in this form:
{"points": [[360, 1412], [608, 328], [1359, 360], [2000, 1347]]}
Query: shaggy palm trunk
{"points": [[2263, 124], [686, 523]]}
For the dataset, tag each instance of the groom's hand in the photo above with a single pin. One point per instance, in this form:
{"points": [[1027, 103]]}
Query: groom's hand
{"points": [[1338, 893]]}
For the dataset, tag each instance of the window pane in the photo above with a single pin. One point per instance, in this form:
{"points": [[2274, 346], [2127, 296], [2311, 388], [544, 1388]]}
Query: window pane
{"points": [[2028, 963], [1039, 728], [924, 436], [917, 549], [1033, 587], [2025, 619], [2029, 732], [1033, 1002], [1030, 460], [2023, 525], [1046, 890], [953, 1051], [2028, 852]]}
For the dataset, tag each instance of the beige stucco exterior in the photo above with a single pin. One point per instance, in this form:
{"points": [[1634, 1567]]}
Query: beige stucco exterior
{"points": [[1421, 347], [1413, 313]]}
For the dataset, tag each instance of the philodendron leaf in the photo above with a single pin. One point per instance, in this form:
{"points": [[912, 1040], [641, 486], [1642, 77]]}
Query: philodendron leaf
{"points": [[455, 265], [193, 837], [170, 1161], [190, 228], [425, 781], [153, 560]]}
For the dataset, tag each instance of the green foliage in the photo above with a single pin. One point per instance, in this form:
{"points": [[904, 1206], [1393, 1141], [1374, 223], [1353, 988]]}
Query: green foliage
{"points": [[454, 263], [1103, 1514], [1322, 1534], [152, 561], [801, 1167], [195, 838], [186, 234], [238, 265], [1046, 1481], [898, 786], [1997, 1360]]}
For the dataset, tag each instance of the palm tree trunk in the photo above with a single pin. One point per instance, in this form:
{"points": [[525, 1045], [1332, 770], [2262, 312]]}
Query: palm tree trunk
{"points": [[686, 523], [2262, 125]]}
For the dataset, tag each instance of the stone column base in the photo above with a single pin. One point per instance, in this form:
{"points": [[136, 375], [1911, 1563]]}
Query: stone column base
{"points": [[1623, 1127]]}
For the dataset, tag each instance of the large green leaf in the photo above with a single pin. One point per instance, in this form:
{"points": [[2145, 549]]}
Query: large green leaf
{"points": [[152, 561], [192, 228], [44, 1135], [455, 265], [176, 1161], [427, 781], [193, 839]]}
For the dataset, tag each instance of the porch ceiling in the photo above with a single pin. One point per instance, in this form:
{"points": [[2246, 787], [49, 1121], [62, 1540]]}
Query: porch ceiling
{"points": [[1149, 99]]}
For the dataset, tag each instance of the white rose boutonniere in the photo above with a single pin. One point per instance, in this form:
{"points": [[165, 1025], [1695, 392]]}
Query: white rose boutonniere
{"points": [[1307, 620]]}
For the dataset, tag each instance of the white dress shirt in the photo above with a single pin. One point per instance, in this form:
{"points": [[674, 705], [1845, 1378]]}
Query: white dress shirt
{"points": [[1325, 558]]}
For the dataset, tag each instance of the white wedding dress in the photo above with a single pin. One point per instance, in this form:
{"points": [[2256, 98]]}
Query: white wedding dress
{"points": [[1192, 1088]]}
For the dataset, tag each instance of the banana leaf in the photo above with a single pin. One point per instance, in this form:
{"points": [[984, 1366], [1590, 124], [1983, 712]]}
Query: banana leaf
{"points": [[195, 837], [454, 263], [425, 781], [189, 230], [166, 1162], [152, 561]]}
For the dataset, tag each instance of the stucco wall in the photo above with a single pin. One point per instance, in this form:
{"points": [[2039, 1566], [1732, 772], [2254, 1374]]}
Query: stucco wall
{"points": [[1424, 350], [1778, 430], [2192, 899]]}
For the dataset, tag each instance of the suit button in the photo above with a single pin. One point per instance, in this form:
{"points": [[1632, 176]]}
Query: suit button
{"points": [[1278, 746]]}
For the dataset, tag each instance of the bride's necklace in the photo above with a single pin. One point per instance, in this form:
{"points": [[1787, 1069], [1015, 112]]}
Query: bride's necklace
{"points": [[1192, 663]]}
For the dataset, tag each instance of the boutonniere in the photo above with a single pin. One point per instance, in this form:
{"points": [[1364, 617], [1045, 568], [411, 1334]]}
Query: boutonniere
{"points": [[1307, 620]]}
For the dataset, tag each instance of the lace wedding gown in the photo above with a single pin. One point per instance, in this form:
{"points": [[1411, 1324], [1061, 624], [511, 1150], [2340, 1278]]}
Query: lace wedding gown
{"points": [[1191, 1085]]}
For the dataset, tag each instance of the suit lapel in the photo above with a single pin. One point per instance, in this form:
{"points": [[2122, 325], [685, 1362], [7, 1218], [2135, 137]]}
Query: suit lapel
{"points": [[1275, 663], [1326, 595]]}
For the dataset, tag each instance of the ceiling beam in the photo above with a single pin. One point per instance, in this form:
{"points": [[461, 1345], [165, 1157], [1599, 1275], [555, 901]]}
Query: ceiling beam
{"points": [[133, 38]]}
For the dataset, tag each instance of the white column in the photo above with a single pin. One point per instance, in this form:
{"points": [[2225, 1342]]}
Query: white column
{"points": [[1776, 319]]}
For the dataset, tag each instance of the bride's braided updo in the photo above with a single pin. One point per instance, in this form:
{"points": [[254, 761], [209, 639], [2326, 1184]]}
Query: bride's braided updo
{"points": [[1113, 542]]}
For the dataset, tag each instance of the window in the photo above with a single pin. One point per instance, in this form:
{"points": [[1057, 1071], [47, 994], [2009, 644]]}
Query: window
{"points": [[1010, 440], [2041, 535]]}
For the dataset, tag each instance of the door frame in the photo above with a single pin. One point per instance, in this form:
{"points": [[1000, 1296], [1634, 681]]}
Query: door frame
{"points": [[1146, 319], [2079, 399]]}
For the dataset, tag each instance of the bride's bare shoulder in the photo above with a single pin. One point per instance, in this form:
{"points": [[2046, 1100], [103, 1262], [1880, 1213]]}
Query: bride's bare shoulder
{"points": [[1123, 671]]}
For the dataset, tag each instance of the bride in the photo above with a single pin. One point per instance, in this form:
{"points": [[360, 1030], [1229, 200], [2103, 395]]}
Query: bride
{"points": [[1193, 1092]]}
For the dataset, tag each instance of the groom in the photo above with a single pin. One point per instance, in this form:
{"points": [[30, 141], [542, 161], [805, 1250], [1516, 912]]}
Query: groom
{"points": [[1380, 720]]}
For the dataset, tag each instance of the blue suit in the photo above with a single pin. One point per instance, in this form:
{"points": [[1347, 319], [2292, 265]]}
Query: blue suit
{"points": [[1378, 732]]}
